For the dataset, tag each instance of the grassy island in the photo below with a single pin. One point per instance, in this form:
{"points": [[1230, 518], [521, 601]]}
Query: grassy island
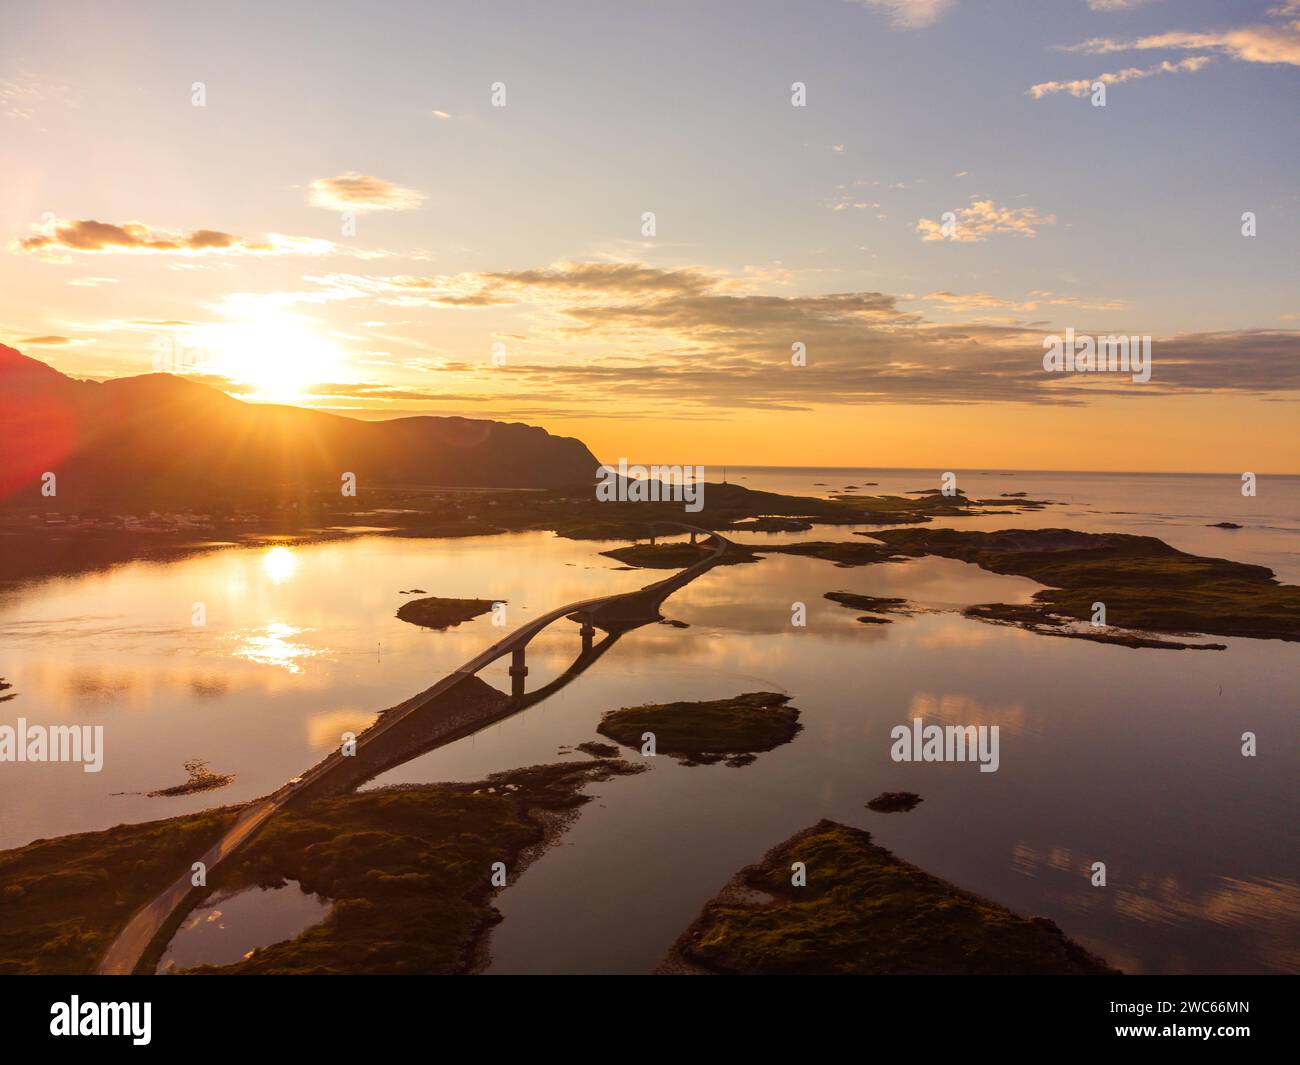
{"points": [[864, 911], [65, 899], [874, 605], [670, 555], [407, 869], [1144, 583], [436, 613], [704, 732], [895, 802]]}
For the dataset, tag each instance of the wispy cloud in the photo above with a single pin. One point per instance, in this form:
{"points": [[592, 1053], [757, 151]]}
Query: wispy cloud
{"points": [[62, 237], [912, 14], [48, 341], [1248, 44], [24, 95], [17, 100], [564, 282], [1083, 86], [703, 339], [1116, 5], [982, 219], [363, 192], [969, 301]]}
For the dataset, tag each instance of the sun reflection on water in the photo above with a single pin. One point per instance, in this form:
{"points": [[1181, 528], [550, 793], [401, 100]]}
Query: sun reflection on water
{"points": [[279, 564], [273, 645]]}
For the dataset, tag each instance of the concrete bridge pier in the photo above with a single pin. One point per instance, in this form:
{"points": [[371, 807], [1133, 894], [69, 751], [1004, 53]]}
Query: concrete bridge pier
{"points": [[518, 671], [692, 537], [588, 633]]}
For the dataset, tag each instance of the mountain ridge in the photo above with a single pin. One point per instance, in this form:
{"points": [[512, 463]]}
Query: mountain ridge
{"points": [[164, 439]]}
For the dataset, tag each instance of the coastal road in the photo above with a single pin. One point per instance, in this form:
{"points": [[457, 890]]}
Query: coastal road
{"points": [[124, 954]]}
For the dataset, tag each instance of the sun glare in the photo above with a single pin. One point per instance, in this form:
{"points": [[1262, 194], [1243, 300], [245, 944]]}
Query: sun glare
{"points": [[279, 564], [280, 358]]}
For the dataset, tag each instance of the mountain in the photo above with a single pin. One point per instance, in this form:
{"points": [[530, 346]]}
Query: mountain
{"points": [[164, 439]]}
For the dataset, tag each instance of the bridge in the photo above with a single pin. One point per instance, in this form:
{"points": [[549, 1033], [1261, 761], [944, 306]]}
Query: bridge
{"points": [[376, 750]]}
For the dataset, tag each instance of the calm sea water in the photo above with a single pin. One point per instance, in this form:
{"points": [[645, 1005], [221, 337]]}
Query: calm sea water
{"points": [[1130, 757]]}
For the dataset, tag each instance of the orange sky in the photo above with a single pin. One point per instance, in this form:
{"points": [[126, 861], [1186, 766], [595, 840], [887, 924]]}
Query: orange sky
{"points": [[377, 230], [1166, 435]]}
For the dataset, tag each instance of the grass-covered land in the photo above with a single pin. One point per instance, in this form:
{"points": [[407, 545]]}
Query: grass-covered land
{"points": [[408, 869], [770, 524], [842, 553], [873, 604], [64, 900], [864, 911], [895, 802], [1144, 583], [711, 731], [201, 778], [674, 555], [925, 504], [436, 613], [1040, 618], [88, 539], [678, 555]]}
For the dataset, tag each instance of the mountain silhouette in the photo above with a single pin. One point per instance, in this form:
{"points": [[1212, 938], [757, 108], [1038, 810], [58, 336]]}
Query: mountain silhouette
{"points": [[164, 439]]}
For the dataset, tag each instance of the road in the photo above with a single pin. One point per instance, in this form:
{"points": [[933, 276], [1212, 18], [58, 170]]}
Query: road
{"points": [[126, 951]]}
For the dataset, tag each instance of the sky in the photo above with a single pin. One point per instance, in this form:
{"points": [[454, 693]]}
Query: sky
{"points": [[619, 220]]}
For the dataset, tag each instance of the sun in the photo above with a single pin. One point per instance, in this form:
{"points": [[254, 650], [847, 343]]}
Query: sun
{"points": [[278, 356]]}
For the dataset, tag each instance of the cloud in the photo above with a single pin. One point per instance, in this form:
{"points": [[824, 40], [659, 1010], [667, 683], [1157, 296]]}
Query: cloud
{"points": [[692, 339], [17, 100], [88, 236], [49, 341], [563, 282], [25, 97], [1248, 44], [1083, 86], [983, 218], [1116, 5], [440, 114], [362, 192], [912, 14], [1031, 303]]}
